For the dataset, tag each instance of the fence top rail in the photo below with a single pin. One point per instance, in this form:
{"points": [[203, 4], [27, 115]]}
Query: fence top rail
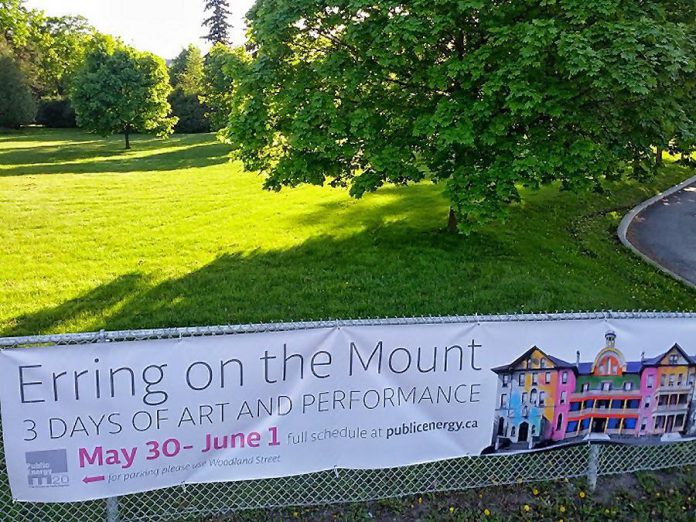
{"points": [[201, 331]]}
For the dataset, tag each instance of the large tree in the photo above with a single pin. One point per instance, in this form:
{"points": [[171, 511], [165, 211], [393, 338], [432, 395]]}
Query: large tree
{"points": [[484, 95], [122, 90], [218, 22]]}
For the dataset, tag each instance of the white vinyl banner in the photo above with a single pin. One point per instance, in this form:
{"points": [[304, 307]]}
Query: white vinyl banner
{"points": [[101, 420]]}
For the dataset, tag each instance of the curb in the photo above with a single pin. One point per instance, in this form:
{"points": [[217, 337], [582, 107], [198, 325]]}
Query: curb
{"points": [[628, 220]]}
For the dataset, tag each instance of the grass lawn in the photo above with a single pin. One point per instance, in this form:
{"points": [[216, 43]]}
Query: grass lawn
{"points": [[172, 233]]}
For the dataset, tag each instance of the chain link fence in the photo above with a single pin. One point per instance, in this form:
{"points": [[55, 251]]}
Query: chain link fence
{"points": [[196, 502]]}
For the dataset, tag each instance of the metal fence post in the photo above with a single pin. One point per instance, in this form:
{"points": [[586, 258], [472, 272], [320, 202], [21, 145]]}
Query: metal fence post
{"points": [[112, 509], [111, 502], [593, 467]]}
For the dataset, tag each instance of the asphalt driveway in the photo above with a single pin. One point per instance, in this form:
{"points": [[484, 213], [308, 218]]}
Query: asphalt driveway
{"points": [[666, 232]]}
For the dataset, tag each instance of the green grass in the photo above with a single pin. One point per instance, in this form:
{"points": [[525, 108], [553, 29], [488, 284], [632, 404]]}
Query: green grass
{"points": [[174, 234]]}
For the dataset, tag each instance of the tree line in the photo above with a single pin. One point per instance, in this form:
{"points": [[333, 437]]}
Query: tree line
{"points": [[61, 72]]}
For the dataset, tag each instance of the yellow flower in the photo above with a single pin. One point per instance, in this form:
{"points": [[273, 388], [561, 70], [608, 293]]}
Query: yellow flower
{"points": [[487, 512], [535, 491], [526, 508], [295, 514], [562, 509], [420, 500], [451, 509], [582, 494]]}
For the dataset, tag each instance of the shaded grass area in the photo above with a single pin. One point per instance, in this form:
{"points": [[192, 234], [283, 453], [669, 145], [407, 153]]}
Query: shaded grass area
{"points": [[172, 233]]}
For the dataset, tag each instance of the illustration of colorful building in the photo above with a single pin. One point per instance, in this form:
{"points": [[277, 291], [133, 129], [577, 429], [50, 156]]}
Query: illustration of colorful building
{"points": [[544, 399]]}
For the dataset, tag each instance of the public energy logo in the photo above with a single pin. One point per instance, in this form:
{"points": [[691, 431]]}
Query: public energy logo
{"points": [[47, 469]]}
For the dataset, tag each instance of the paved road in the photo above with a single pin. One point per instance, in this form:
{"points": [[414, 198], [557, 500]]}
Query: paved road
{"points": [[666, 232]]}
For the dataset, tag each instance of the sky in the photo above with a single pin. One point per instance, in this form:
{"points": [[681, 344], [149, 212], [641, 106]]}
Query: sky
{"points": [[163, 27]]}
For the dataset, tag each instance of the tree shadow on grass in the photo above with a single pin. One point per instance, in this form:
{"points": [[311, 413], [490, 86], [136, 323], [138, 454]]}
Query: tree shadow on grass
{"points": [[54, 160], [92, 305], [401, 272], [417, 203], [404, 268], [69, 147]]}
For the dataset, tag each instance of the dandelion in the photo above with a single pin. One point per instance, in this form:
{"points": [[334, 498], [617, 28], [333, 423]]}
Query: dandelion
{"points": [[582, 494], [536, 492], [562, 509], [420, 500], [295, 514], [526, 508], [451, 509], [487, 512]]}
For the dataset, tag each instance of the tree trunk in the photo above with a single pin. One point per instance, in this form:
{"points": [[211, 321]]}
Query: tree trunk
{"points": [[452, 222], [658, 157], [126, 134]]}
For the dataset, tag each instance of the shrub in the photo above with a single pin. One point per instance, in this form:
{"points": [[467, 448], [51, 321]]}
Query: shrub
{"points": [[56, 113], [190, 111]]}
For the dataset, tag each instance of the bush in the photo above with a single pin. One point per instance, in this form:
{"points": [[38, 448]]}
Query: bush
{"points": [[190, 111], [17, 105], [56, 113]]}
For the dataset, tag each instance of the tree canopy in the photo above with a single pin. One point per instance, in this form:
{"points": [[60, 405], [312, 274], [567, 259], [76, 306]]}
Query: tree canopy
{"points": [[186, 70], [121, 90], [222, 66], [484, 95], [48, 49]]}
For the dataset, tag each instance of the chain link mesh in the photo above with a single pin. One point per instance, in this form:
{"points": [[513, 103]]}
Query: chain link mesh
{"points": [[194, 502]]}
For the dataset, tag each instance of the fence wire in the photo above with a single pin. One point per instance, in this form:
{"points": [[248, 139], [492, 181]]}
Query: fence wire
{"points": [[197, 502]]}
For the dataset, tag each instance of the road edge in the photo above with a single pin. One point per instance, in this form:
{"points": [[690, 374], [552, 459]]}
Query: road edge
{"points": [[628, 219]]}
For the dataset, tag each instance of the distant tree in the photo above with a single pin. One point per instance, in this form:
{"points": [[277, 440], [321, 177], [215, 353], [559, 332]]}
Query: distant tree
{"points": [[484, 96], [122, 90], [222, 65], [186, 75], [64, 51], [218, 24], [47, 49], [14, 22], [16, 102], [186, 70]]}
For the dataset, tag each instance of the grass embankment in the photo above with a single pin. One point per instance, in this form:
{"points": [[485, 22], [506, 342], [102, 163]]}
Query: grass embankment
{"points": [[173, 234]]}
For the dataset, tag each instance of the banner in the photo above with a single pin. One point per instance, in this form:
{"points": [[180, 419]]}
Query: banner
{"points": [[101, 420]]}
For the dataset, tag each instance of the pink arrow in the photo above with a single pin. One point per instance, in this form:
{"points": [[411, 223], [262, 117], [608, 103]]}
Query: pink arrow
{"points": [[89, 480]]}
